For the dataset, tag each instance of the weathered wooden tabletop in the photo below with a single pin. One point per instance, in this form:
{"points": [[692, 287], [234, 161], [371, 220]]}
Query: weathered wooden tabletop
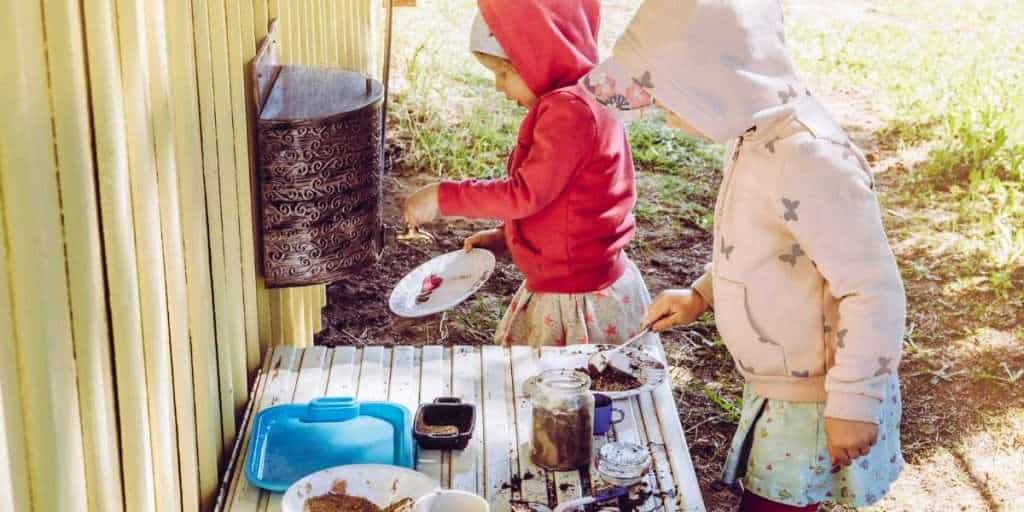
{"points": [[497, 459]]}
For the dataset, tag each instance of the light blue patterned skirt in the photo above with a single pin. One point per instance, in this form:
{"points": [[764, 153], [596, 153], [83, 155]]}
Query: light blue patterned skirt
{"points": [[779, 453]]}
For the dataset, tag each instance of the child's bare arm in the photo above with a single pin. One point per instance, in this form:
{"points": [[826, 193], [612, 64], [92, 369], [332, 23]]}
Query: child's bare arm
{"points": [[847, 440], [681, 307], [491, 239], [422, 206], [674, 307]]}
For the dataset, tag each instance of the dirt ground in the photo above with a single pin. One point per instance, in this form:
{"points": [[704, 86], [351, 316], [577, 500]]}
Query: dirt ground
{"points": [[962, 436], [963, 428]]}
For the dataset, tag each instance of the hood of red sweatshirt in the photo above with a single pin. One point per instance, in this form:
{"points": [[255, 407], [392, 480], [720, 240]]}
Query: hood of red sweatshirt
{"points": [[551, 43]]}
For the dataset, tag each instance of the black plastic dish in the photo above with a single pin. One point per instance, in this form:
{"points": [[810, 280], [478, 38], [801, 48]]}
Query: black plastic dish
{"points": [[444, 412]]}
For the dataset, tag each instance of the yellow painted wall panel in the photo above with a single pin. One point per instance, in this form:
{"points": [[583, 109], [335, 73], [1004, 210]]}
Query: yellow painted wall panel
{"points": [[184, 458], [309, 30], [312, 32], [135, 253], [240, 20], [111, 155], [147, 121], [223, 397], [240, 251], [14, 484], [313, 308], [90, 328], [284, 13], [202, 396], [260, 20], [321, 32], [231, 358], [39, 296], [305, 29], [332, 35], [270, 10]]}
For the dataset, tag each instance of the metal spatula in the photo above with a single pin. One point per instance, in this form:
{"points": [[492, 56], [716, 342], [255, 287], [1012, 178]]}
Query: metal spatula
{"points": [[601, 360], [402, 505]]}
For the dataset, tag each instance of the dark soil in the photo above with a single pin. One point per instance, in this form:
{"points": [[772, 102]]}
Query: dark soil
{"points": [[357, 307], [954, 375], [668, 256]]}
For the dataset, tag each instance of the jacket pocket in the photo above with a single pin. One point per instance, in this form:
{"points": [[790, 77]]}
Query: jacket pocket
{"points": [[788, 310], [755, 353]]}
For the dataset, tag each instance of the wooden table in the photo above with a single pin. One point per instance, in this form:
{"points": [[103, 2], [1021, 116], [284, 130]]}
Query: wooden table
{"points": [[489, 376]]}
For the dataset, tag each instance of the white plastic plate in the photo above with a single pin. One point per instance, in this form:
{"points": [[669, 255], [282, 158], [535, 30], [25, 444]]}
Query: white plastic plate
{"points": [[578, 356], [461, 274], [383, 485]]}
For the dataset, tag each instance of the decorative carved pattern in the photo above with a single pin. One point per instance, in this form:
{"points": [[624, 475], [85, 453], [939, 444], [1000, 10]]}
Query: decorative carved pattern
{"points": [[320, 188]]}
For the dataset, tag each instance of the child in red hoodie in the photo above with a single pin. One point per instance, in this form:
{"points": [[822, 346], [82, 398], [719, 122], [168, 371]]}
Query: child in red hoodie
{"points": [[567, 201]]}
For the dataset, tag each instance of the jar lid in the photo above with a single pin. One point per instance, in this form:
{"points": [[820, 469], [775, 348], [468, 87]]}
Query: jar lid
{"points": [[567, 380], [623, 463]]}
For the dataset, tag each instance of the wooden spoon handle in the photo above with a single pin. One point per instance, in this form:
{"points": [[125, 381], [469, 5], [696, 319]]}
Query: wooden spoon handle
{"points": [[401, 505]]}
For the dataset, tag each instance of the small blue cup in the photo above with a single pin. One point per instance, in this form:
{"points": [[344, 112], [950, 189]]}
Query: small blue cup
{"points": [[604, 414]]}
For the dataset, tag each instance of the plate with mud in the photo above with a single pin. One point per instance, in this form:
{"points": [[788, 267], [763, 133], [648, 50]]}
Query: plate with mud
{"points": [[356, 488], [649, 370]]}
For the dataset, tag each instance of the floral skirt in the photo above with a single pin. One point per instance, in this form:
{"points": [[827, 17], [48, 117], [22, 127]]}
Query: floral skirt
{"points": [[612, 315], [780, 454]]}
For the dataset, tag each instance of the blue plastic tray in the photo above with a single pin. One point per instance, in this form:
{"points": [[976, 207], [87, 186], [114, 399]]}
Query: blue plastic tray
{"points": [[294, 440]]}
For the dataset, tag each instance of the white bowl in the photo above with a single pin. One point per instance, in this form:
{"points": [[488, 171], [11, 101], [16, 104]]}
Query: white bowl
{"points": [[380, 484], [451, 501]]}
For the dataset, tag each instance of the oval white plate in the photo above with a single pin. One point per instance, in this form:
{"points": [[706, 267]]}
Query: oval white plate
{"points": [[578, 356], [462, 274], [383, 485]]}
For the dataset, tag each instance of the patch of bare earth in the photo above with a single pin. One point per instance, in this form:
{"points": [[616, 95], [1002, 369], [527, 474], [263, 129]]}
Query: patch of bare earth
{"points": [[964, 352], [963, 428], [357, 307]]}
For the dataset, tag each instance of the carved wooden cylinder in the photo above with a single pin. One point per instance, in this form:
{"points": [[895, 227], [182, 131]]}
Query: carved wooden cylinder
{"points": [[320, 165]]}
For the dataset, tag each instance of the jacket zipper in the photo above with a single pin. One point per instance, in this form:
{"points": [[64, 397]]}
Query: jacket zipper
{"points": [[727, 185], [736, 152]]}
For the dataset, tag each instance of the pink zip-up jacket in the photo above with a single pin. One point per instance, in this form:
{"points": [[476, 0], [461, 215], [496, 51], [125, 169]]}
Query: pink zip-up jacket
{"points": [[805, 288]]}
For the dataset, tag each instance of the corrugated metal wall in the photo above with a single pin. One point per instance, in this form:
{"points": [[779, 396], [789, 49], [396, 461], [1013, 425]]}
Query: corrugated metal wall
{"points": [[131, 310]]}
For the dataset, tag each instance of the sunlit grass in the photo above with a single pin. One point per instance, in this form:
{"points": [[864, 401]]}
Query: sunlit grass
{"points": [[451, 122], [949, 77]]}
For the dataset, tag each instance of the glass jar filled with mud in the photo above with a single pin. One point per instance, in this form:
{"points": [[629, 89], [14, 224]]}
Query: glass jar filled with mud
{"points": [[563, 420]]}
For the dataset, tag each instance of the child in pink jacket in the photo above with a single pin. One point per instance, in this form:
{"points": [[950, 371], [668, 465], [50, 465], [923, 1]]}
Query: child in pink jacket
{"points": [[567, 201], [805, 289]]}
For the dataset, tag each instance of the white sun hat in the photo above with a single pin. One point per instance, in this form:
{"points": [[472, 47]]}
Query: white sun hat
{"points": [[482, 40]]}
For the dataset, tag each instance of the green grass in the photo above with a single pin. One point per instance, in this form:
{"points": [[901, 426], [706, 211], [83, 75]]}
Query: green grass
{"points": [[450, 120], [451, 123], [673, 200], [731, 409], [676, 184], [478, 318], [660, 149], [950, 79]]}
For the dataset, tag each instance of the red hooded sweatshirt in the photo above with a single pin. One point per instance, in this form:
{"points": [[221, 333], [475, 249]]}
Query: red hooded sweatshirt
{"points": [[567, 201]]}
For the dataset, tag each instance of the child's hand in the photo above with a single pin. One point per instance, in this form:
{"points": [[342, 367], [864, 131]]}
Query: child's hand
{"points": [[674, 307], [847, 440], [491, 239], [422, 206]]}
